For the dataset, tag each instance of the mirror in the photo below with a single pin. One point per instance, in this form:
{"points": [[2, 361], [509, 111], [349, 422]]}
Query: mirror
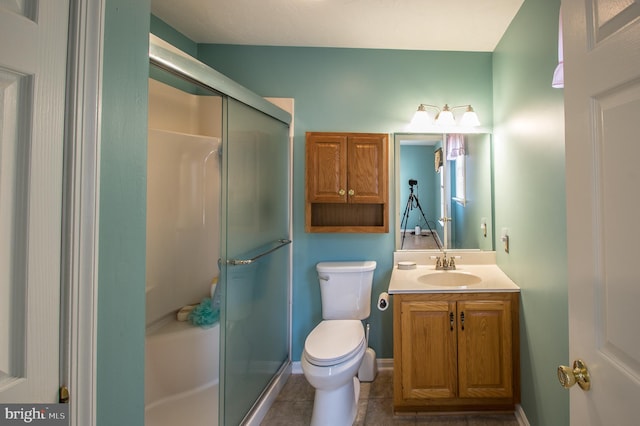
{"points": [[449, 197]]}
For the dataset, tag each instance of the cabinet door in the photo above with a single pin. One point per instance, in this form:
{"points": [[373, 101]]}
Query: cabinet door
{"points": [[485, 365], [326, 168], [367, 169], [428, 349]]}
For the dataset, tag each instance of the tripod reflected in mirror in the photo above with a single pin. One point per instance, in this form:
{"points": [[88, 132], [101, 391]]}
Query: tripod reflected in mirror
{"points": [[414, 202]]}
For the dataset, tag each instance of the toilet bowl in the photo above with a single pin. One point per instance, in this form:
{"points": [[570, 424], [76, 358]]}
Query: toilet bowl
{"points": [[335, 348], [330, 361]]}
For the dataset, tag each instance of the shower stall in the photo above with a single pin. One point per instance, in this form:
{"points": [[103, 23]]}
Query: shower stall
{"points": [[218, 238]]}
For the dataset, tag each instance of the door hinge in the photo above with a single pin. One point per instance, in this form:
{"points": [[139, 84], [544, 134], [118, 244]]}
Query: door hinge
{"points": [[63, 395]]}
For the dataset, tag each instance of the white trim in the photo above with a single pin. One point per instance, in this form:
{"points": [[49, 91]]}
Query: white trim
{"points": [[382, 363], [387, 364], [266, 400], [288, 105], [296, 368], [82, 176], [520, 416]]}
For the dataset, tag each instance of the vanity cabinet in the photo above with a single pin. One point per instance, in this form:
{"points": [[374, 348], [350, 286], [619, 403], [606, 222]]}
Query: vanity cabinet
{"points": [[347, 182], [456, 351]]}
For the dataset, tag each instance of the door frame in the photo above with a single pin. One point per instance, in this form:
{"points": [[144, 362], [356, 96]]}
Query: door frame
{"points": [[79, 281]]}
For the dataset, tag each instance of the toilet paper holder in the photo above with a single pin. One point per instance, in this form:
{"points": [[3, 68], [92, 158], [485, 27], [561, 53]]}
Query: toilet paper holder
{"points": [[383, 301]]}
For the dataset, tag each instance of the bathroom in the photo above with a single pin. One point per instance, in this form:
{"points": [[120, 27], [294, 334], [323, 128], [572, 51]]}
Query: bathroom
{"points": [[500, 87]]}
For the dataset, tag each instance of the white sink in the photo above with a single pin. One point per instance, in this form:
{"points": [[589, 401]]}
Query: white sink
{"points": [[450, 278], [480, 274]]}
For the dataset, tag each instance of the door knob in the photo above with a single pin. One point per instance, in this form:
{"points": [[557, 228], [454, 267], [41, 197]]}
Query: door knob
{"points": [[579, 374]]}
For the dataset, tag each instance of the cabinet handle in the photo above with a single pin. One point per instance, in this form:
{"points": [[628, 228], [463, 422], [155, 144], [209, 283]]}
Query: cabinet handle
{"points": [[341, 192], [352, 192], [451, 318], [462, 319]]}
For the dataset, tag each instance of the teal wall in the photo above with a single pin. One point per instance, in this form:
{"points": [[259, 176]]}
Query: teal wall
{"points": [[467, 219], [166, 32], [355, 90], [530, 201], [123, 174]]}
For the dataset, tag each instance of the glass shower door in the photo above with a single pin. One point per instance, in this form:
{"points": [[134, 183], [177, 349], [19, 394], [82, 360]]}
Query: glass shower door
{"points": [[256, 257]]}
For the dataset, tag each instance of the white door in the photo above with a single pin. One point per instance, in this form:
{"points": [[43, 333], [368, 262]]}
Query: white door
{"points": [[33, 42], [602, 110]]}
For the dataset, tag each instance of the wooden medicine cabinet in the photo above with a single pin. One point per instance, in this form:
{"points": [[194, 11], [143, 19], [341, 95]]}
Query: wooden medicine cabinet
{"points": [[347, 182]]}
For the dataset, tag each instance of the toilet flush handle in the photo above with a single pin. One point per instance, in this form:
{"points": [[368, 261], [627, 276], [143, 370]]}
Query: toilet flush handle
{"points": [[323, 278]]}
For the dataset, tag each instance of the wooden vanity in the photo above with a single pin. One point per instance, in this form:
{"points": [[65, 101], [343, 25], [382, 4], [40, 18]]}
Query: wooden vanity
{"points": [[456, 349]]}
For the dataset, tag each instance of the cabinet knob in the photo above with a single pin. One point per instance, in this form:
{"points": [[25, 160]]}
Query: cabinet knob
{"points": [[341, 192], [351, 192]]}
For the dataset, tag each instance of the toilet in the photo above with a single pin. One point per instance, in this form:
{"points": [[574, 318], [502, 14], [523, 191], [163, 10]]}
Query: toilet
{"points": [[334, 349]]}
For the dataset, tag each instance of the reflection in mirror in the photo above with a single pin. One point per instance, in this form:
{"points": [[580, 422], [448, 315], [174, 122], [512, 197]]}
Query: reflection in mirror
{"points": [[444, 200]]}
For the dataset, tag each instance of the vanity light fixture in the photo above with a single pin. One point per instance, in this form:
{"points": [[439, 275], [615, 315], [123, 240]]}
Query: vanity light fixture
{"points": [[443, 117]]}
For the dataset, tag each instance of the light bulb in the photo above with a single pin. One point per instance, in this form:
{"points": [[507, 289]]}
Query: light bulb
{"points": [[421, 119], [470, 118], [445, 117]]}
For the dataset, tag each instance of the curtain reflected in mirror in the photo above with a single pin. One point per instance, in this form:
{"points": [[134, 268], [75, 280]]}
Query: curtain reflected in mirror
{"points": [[443, 191]]}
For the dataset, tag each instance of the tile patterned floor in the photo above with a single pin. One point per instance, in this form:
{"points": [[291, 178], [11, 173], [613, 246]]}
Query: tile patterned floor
{"points": [[375, 407]]}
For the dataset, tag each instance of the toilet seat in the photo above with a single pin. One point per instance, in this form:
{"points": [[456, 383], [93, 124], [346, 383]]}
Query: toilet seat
{"points": [[334, 341]]}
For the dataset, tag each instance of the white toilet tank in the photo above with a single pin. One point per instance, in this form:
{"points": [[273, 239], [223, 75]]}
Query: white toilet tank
{"points": [[346, 289]]}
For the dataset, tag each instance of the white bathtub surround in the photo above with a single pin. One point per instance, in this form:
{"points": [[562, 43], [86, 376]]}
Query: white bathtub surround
{"points": [[183, 202], [181, 370]]}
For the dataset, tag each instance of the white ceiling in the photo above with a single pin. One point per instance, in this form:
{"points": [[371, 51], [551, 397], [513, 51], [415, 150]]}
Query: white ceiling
{"points": [[463, 25]]}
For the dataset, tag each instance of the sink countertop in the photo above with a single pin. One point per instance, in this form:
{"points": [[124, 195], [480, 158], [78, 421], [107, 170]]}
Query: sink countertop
{"points": [[493, 280]]}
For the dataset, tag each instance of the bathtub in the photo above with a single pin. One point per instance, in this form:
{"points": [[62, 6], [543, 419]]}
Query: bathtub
{"points": [[181, 374]]}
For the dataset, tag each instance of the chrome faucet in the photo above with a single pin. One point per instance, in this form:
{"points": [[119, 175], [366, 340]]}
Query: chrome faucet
{"points": [[444, 264]]}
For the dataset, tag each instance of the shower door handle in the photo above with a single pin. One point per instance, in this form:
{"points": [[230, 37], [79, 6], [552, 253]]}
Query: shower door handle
{"points": [[235, 262]]}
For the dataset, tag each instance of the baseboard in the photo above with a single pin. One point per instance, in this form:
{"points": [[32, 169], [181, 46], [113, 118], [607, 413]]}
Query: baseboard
{"points": [[296, 368], [382, 363], [387, 364], [521, 416], [260, 410]]}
